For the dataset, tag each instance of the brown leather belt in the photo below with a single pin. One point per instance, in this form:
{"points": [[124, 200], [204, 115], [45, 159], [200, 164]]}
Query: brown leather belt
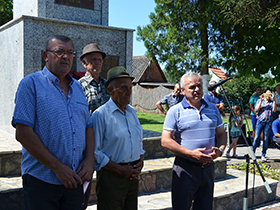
{"points": [[130, 163]]}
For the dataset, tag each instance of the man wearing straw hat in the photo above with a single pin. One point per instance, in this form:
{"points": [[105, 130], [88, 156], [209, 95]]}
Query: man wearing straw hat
{"points": [[92, 83], [118, 148]]}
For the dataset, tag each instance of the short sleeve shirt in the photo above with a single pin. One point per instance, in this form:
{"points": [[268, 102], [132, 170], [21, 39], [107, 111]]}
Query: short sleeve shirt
{"points": [[253, 100], [215, 99], [171, 100], [194, 128], [58, 121], [266, 110]]}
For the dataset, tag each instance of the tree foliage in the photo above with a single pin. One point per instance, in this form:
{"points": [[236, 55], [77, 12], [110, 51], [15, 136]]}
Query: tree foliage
{"points": [[251, 40], [241, 36], [179, 35], [6, 11], [244, 86]]}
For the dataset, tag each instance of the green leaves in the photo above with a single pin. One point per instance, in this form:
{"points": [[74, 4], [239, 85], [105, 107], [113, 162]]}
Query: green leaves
{"points": [[6, 11]]}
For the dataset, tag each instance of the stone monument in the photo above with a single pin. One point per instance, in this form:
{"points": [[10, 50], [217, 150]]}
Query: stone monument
{"points": [[22, 41]]}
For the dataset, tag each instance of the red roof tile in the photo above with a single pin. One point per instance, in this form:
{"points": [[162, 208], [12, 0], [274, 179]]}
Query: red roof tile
{"points": [[219, 73]]}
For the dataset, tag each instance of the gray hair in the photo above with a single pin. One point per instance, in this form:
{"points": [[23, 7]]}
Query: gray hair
{"points": [[188, 75]]}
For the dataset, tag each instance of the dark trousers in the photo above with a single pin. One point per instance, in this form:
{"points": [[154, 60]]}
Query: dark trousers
{"points": [[114, 192], [192, 185], [44, 196]]}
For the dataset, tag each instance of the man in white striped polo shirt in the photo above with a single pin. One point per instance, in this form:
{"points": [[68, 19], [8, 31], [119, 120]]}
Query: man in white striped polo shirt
{"points": [[194, 124]]}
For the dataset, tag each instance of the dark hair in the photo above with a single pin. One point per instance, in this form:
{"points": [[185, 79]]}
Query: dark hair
{"points": [[258, 87], [59, 37], [268, 89]]}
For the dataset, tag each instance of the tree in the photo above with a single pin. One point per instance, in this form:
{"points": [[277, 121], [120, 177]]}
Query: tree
{"points": [[250, 44], [6, 11], [179, 35], [246, 86]]}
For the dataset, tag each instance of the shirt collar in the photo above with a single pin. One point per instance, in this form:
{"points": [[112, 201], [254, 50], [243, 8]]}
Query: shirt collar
{"points": [[53, 78], [113, 107], [89, 79], [185, 104]]}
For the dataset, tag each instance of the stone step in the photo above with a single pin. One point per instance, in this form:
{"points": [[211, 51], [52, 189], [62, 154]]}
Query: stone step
{"points": [[10, 152], [228, 194], [156, 176]]}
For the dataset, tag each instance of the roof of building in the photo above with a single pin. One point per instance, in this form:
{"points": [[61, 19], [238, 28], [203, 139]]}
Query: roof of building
{"points": [[140, 65], [218, 72]]}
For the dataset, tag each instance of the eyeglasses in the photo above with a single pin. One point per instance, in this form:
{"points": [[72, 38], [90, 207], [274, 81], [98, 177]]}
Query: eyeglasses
{"points": [[60, 53]]}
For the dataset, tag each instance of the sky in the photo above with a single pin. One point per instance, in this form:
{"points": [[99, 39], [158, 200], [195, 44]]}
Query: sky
{"points": [[130, 14]]}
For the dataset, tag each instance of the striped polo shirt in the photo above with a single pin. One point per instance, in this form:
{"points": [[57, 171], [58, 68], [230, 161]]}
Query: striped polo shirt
{"points": [[194, 128]]}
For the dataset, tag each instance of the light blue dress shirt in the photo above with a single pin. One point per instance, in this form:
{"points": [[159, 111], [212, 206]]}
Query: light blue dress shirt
{"points": [[59, 122], [118, 135]]}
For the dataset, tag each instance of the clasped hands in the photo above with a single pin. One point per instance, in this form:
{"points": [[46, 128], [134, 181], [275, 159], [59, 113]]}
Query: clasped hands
{"points": [[201, 157]]}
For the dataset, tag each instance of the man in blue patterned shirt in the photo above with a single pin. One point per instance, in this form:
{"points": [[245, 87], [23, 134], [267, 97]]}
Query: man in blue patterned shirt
{"points": [[53, 125], [92, 83]]}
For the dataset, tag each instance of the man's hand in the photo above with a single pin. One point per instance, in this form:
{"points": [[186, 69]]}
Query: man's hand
{"points": [[199, 156], [216, 153], [67, 176], [137, 168], [277, 135], [85, 170]]}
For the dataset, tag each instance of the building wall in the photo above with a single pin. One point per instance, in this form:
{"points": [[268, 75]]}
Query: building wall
{"points": [[144, 98], [52, 10], [22, 42], [152, 75]]}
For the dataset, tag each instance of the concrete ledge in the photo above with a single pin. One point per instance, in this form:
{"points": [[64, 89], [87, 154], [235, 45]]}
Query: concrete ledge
{"points": [[229, 192]]}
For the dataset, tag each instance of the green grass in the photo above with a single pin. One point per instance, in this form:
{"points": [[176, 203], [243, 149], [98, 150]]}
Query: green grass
{"points": [[154, 122]]}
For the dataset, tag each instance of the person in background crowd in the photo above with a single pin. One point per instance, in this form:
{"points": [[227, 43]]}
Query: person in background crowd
{"points": [[170, 99], [214, 97], [193, 124], [276, 132], [92, 83], [235, 132], [277, 99], [53, 125], [252, 104], [119, 148], [264, 107]]}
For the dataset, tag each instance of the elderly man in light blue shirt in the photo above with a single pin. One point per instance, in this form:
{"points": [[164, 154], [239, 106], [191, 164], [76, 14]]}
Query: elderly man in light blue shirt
{"points": [[118, 145]]}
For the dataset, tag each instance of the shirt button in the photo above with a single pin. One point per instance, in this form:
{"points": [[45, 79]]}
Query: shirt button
{"points": [[73, 132]]}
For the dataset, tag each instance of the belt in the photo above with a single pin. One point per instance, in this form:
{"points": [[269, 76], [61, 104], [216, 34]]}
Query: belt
{"points": [[202, 165], [130, 163]]}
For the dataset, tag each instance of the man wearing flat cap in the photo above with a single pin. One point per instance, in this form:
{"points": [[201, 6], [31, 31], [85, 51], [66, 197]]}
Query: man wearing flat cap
{"points": [[118, 145], [92, 83]]}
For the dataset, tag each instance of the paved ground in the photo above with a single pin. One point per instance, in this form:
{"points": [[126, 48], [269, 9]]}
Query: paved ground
{"points": [[162, 200]]}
